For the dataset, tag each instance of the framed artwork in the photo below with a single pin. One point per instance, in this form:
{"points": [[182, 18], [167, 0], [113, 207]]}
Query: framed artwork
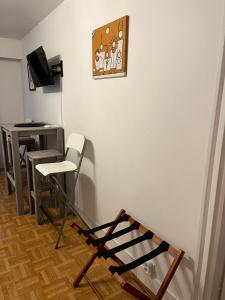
{"points": [[30, 80], [109, 49]]}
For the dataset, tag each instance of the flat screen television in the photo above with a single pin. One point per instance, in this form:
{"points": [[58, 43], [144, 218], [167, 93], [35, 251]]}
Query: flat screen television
{"points": [[39, 68]]}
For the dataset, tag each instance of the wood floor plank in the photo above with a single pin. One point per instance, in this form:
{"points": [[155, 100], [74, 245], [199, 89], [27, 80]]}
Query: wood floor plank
{"points": [[30, 267]]}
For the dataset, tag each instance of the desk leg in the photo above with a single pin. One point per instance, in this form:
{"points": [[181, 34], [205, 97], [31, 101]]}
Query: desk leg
{"points": [[30, 186], [17, 173], [60, 140], [61, 148], [5, 158], [42, 142]]}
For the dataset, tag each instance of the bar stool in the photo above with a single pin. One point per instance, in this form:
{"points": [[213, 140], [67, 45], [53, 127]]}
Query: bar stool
{"points": [[75, 142], [37, 185]]}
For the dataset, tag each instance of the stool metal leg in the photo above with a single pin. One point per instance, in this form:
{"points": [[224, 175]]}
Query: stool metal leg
{"points": [[66, 208], [65, 202], [62, 227]]}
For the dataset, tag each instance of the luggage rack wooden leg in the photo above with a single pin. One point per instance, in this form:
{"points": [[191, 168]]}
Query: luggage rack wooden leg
{"points": [[124, 284], [93, 288], [92, 259], [84, 270], [136, 292], [84, 275]]}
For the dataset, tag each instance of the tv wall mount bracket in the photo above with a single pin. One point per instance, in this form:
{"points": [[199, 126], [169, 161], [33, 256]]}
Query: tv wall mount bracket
{"points": [[57, 69]]}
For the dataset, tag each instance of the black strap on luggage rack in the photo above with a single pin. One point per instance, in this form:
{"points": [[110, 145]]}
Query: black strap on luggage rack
{"points": [[108, 253], [164, 246], [104, 239], [95, 229]]}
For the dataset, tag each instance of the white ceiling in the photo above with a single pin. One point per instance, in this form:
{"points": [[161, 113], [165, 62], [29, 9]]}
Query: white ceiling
{"points": [[18, 17]]}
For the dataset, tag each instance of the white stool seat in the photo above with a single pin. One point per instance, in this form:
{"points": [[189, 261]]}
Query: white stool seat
{"points": [[58, 167]]}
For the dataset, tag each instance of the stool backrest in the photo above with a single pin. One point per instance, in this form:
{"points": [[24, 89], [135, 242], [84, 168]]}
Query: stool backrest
{"points": [[76, 141]]}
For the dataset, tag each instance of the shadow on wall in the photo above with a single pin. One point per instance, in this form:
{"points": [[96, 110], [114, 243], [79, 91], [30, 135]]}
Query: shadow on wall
{"points": [[185, 274], [83, 196], [57, 87], [187, 263], [87, 190], [87, 202], [89, 152]]}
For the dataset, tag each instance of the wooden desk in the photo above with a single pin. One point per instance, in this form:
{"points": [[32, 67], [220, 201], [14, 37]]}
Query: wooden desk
{"points": [[14, 133]]}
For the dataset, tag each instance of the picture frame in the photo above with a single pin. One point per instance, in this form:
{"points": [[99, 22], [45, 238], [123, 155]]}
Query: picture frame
{"points": [[110, 49]]}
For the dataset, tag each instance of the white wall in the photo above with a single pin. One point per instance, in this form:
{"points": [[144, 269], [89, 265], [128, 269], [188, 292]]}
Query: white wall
{"points": [[10, 48], [11, 93], [150, 132], [11, 104]]}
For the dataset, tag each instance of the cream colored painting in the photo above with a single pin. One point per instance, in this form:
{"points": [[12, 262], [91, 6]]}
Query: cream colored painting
{"points": [[109, 49]]}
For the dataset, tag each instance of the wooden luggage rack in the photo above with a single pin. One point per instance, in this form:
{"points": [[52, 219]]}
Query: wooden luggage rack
{"points": [[100, 250]]}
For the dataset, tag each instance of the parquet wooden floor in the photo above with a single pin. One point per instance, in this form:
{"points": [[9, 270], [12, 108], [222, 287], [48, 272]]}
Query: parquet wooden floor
{"points": [[31, 269]]}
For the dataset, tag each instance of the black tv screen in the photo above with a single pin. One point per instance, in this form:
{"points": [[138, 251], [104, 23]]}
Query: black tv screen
{"points": [[39, 68]]}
